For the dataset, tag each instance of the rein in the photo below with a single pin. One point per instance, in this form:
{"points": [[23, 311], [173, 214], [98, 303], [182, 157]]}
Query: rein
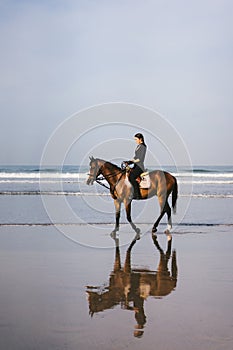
{"points": [[99, 179], [100, 183]]}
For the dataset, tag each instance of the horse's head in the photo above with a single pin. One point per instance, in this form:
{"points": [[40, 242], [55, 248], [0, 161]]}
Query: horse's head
{"points": [[94, 171]]}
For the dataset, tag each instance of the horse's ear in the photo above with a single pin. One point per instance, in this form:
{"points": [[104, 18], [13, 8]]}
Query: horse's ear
{"points": [[91, 158]]}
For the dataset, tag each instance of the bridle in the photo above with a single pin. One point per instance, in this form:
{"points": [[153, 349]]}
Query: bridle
{"points": [[99, 179], [94, 176]]}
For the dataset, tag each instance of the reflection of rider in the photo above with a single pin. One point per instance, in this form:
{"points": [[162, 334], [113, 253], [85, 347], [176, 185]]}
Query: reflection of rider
{"points": [[133, 294], [138, 160], [138, 305]]}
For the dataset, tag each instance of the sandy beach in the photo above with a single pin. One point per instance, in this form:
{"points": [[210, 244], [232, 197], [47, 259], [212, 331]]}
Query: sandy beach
{"points": [[56, 294]]}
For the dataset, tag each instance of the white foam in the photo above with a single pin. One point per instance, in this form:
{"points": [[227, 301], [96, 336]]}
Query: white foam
{"points": [[208, 182], [39, 176], [204, 175]]}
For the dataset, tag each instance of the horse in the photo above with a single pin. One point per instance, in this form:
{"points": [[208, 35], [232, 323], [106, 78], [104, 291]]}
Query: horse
{"points": [[121, 190], [130, 287]]}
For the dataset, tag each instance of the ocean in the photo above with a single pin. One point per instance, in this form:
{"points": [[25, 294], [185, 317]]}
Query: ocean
{"points": [[26, 190]]}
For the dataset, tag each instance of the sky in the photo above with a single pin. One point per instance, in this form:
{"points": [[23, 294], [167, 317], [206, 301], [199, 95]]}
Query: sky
{"points": [[59, 57]]}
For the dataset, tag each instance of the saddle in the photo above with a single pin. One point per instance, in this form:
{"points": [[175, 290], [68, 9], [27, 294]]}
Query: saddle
{"points": [[144, 180]]}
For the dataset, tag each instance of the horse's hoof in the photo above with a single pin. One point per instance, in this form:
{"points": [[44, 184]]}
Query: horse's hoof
{"points": [[168, 234], [113, 234], [154, 236]]}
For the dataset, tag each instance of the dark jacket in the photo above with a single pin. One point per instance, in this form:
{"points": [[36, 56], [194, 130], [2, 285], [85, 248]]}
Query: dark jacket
{"points": [[140, 153]]}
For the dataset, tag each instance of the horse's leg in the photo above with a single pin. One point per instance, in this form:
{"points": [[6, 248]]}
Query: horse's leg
{"points": [[117, 204], [162, 203], [127, 204], [167, 209], [154, 228]]}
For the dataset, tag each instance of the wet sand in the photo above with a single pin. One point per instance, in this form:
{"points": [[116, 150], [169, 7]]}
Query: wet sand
{"points": [[58, 294]]}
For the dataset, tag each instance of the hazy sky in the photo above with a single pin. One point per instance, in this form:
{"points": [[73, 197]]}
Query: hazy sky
{"points": [[58, 57]]}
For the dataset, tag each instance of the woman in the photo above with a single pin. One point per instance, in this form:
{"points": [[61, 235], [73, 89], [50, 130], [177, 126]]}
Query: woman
{"points": [[138, 161]]}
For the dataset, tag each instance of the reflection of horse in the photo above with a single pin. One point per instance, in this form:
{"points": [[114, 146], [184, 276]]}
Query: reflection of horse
{"points": [[162, 185], [130, 287]]}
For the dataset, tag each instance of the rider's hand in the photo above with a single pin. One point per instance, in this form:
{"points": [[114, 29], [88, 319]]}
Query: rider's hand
{"points": [[125, 164]]}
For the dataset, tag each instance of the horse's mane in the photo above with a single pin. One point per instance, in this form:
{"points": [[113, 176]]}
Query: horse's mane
{"points": [[110, 164]]}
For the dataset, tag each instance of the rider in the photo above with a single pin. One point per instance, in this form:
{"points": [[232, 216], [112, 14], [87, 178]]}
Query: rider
{"points": [[138, 161]]}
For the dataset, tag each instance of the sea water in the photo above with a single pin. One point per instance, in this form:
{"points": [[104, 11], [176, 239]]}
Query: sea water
{"points": [[22, 190]]}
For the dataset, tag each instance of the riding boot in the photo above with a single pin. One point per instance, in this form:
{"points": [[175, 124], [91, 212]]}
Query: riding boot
{"points": [[137, 194]]}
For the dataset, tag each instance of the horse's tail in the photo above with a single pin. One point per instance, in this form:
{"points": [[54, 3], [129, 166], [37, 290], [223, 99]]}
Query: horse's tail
{"points": [[174, 195]]}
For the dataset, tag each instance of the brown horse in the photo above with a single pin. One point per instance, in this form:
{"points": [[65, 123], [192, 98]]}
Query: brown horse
{"points": [[162, 185], [130, 287]]}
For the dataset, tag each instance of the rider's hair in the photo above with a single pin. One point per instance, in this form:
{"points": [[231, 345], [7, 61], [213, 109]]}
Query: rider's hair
{"points": [[140, 137]]}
